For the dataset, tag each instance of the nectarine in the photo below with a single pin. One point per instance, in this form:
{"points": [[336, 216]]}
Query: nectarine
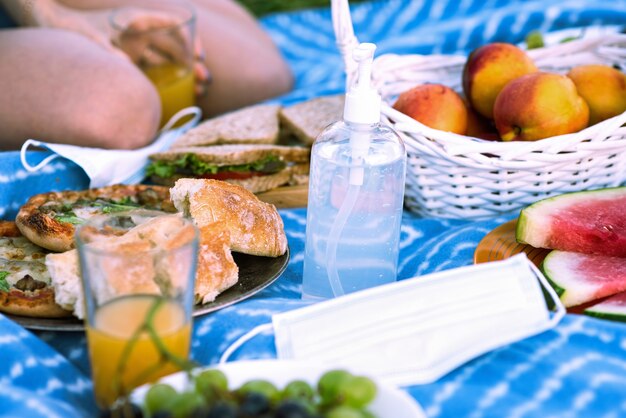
{"points": [[436, 106], [539, 105], [488, 69], [603, 88]]}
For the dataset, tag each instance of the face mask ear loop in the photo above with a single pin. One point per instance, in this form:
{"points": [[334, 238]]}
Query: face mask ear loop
{"points": [[192, 110], [559, 311], [25, 163], [243, 339]]}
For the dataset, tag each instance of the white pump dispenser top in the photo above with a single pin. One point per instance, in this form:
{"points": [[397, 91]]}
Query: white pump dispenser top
{"points": [[362, 100]]}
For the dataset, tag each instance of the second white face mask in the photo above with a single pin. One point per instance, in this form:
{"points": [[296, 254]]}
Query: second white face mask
{"points": [[417, 330]]}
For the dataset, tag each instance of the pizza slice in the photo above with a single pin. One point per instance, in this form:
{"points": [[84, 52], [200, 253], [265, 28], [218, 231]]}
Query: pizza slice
{"points": [[49, 219], [25, 285]]}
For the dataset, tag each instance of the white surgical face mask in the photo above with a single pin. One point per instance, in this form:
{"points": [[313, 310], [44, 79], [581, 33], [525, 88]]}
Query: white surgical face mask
{"points": [[112, 166], [417, 330]]}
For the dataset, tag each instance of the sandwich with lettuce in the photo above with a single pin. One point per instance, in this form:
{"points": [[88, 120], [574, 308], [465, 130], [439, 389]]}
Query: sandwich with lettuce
{"points": [[257, 167]]}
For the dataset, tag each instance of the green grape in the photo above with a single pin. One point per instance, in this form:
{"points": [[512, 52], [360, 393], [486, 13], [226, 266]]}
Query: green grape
{"points": [[184, 403], [358, 391], [344, 411], [298, 389], [264, 387], [158, 396], [212, 384], [330, 385], [534, 40]]}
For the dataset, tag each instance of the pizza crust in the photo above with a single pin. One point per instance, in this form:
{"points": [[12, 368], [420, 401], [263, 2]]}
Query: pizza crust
{"points": [[46, 231], [38, 304]]}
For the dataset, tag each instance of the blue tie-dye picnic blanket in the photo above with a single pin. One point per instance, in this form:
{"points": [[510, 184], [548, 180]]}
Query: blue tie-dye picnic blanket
{"points": [[576, 370]]}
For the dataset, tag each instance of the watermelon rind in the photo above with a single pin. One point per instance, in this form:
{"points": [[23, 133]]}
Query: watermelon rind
{"points": [[576, 286], [620, 317], [558, 289], [534, 222], [613, 308]]}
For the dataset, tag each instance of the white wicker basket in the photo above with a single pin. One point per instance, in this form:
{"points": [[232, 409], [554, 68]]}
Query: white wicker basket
{"points": [[455, 176]]}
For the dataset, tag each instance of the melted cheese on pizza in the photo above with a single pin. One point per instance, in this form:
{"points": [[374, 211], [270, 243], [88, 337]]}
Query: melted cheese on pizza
{"points": [[18, 270], [21, 249], [20, 258], [87, 212]]}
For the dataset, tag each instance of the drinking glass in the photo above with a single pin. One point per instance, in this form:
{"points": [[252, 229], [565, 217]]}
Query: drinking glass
{"points": [[159, 39], [138, 273]]}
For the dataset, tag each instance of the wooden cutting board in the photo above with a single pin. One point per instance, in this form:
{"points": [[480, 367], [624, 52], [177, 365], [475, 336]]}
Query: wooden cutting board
{"points": [[287, 197]]}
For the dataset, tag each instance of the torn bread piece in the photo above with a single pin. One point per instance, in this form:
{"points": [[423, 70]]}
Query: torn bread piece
{"points": [[306, 120], [216, 270], [256, 124], [256, 227], [257, 168]]}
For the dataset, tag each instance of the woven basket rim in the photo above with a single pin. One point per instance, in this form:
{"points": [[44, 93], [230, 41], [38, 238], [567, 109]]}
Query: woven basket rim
{"points": [[460, 176], [458, 144]]}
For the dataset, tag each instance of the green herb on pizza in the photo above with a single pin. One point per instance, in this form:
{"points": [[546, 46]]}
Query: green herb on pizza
{"points": [[49, 219], [4, 285]]}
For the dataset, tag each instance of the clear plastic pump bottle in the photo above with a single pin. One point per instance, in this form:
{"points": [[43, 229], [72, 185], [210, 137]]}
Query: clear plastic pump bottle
{"points": [[356, 193]]}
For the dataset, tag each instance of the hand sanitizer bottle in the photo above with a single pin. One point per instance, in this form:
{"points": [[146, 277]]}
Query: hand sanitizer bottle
{"points": [[356, 192]]}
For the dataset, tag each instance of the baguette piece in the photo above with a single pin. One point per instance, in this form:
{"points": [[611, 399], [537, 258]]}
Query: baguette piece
{"points": [[255, 227], [216, 269], [256, 124], [306, 120]]}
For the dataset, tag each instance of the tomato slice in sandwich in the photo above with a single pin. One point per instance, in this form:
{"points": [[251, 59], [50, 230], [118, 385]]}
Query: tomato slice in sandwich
{"points": [[232, 175]]}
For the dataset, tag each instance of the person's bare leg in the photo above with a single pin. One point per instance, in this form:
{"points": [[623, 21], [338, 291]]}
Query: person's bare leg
{"points": [[58, 86], [245, 65]]}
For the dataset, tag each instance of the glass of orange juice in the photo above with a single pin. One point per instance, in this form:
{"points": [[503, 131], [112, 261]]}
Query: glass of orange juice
{"points": [[159, 38], [138, 272]]}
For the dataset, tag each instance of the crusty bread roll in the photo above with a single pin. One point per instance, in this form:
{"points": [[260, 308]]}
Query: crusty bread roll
{"points": [[255, 227], [216, 270]]}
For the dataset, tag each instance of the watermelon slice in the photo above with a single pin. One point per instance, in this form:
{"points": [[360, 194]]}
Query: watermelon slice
{"points": [[592, 222], [580, 278], [612, 308]]}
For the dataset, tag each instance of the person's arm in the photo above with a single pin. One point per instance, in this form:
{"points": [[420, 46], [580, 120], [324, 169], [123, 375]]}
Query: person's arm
{"points": [[53, 14], [245, 65]]}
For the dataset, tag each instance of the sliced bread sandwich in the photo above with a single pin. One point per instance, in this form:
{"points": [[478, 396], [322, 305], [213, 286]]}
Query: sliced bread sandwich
{"points": [[257, 168], [306, 120], [256, 124]]}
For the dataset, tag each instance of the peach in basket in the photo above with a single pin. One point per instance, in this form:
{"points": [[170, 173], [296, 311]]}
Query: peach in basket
{"points": [[458, 176]]}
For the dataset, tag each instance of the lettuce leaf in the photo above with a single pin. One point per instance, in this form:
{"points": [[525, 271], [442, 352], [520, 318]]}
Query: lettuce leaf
{"points": [[191, 164]]}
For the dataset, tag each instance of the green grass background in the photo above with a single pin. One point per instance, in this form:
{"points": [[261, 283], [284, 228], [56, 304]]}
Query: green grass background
{"points": [[263, 7]]}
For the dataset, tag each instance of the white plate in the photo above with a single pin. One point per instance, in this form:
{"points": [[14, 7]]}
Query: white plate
{"points": [[390, 402]]}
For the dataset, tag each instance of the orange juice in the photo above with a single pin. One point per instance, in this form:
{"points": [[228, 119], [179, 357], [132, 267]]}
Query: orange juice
{"points": [[175, 85], [108, 338]]}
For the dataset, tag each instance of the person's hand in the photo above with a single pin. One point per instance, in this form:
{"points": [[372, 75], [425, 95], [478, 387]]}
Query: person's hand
{"points": [[96, 25], [147, 41]]}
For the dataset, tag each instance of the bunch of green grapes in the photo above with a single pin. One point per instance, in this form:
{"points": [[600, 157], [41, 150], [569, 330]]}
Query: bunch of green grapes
{"points": [[338, 394]]}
